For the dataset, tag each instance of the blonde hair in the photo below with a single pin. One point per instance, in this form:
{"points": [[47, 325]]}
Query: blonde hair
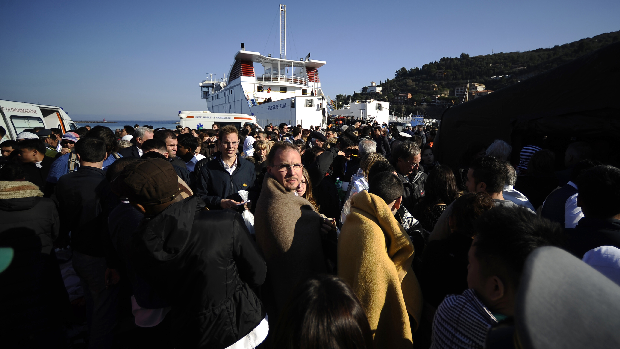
{"points": [[308, 194], [260, 145]]}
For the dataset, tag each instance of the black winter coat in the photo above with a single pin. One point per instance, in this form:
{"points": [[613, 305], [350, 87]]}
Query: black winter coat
{"points": [[37, 175], [130, 152], [414, 188], [32, 293], [205, 264], [84, 203], [213, 183]]}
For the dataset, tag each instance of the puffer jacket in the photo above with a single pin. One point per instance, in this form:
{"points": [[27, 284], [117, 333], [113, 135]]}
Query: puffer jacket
{"points": [[205, 264]]}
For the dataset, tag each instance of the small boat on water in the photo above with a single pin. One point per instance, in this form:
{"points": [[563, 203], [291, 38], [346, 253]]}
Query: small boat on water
{"points": [[287, 91]]}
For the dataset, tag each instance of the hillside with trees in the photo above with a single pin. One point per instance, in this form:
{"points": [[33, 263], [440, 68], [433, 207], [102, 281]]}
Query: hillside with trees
{"points": [[434, 83]]}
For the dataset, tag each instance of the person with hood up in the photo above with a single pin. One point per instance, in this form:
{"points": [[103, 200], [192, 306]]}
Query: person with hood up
{"points": [[204, 264]]}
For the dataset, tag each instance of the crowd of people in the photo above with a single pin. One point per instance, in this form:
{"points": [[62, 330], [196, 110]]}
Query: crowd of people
{"points": [[352, 236]]}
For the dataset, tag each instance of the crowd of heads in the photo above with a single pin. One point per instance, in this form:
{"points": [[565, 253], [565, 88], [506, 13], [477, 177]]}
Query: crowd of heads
{"points": [[324, 311]]}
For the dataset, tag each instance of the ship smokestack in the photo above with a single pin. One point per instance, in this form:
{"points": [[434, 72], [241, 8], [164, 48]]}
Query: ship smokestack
{"points": [[242, 47]]}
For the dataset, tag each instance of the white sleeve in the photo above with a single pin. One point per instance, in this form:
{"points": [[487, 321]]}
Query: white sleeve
{"points": [[572, 212]]}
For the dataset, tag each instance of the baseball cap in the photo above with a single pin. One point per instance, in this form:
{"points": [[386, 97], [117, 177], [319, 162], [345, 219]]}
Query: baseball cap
{"points": [[71, 136], [148, 182], [318, 135], [26, 135], [44, 133]]}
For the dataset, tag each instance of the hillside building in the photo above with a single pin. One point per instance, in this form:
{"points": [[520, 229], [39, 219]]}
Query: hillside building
{"points": [[373, 88]]}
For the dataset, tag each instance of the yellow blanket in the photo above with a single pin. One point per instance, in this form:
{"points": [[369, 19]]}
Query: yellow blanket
{"points": [[374, 258]]}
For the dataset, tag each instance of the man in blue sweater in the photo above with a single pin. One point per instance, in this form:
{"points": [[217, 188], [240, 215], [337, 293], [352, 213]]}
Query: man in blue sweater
{"points": [[218, 181]]}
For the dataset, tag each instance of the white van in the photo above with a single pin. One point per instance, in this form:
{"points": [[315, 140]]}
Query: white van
{"points": [[205, 119], [18, 116]]}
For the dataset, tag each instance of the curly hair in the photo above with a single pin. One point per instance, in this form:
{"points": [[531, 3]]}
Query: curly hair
{"points": [[368, 160]]}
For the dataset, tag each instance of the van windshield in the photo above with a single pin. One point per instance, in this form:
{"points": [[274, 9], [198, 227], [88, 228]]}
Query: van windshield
{"points": [[21, 123]]}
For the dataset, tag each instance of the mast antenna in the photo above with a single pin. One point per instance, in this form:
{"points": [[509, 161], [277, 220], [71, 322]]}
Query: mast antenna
{"points": [[282, 31]]}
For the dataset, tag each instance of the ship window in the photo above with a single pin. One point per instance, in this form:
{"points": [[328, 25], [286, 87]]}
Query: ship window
{"points": [[283, 89], [379, 106], [293, 103], [259, 89], [230, 91], [304, 91], [309, 103]]}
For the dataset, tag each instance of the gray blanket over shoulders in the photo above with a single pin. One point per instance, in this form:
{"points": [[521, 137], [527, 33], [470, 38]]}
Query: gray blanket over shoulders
{"points": [[288, 233]]}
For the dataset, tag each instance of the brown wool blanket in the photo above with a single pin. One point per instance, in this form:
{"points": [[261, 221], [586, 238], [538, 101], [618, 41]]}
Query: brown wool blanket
{"points": [[288, 233]]}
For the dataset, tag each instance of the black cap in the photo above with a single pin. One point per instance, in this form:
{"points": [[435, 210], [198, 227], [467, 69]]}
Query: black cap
{"points": [[44, 133]]}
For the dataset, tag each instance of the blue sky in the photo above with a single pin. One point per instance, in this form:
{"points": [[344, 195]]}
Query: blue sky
{"points": [[143, 60]]}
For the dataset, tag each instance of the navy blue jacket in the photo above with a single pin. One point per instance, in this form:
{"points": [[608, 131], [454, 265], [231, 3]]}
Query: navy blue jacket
{"points": [[213, 183], [554, 208]]}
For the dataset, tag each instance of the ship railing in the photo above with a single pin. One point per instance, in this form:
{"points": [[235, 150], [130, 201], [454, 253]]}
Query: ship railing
{"points": [[283, 78]]}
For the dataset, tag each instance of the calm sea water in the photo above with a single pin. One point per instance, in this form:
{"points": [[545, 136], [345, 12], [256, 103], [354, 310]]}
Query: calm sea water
{"points": [[170, 124]]}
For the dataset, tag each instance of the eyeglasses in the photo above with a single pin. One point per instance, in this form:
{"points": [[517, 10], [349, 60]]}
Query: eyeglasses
{"points": [[287, 167], [410, 163]]}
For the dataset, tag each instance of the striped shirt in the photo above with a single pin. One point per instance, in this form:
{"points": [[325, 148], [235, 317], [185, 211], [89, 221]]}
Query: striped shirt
{"points": [[461, 321], [525, 156]]}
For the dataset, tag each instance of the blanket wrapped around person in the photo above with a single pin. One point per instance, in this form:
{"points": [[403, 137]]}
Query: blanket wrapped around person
{"points": [[374, 258], [288, 232]]}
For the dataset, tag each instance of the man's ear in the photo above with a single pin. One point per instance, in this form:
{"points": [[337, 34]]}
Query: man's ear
{"points": [[397, 203], [497, 288], [138, 207]]}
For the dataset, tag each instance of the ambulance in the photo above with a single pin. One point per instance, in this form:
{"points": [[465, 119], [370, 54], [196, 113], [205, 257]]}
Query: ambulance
{"points": [[197, 120], [18, 116]]}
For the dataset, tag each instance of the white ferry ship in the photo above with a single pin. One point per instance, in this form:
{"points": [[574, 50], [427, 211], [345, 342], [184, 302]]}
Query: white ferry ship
{"points": [[286, 91]]}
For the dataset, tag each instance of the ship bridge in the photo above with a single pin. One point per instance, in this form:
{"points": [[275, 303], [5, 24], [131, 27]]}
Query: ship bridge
{"points": [[276, 70]]}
